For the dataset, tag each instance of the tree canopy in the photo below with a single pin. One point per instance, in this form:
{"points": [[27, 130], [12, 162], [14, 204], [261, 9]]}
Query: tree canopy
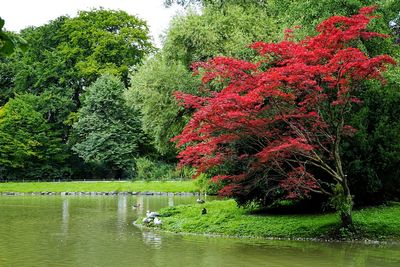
{"points": [[29, 147], [107, 131]]}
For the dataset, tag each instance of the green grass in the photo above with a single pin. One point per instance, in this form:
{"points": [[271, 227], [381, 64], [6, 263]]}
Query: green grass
{"points": [[140, 186], [225, 218]]}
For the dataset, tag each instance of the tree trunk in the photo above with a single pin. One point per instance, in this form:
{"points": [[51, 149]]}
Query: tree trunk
{"points": [[347, 219], [347, 205]]}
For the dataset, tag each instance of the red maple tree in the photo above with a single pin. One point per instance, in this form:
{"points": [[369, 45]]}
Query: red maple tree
{"points": [[278, 123]]}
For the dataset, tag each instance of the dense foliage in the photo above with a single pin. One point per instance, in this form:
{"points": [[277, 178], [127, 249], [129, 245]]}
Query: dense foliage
{"points": [[9, 41], [107, 132], [152, 93], [63, 58], [29, 147], [281, 121]]}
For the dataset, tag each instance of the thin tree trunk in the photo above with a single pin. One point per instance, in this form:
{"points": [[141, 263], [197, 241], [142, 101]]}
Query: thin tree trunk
{"points": [[347, 205], [346, 218], [347, 201]]}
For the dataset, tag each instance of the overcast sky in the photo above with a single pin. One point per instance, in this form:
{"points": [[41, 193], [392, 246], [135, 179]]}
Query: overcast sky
{"points": [[19, 14]]}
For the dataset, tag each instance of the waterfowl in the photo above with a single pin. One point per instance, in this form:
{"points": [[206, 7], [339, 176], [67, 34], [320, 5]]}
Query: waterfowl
{"points": [[152, 214], [157, 221], [147, 220], [201, 201]]}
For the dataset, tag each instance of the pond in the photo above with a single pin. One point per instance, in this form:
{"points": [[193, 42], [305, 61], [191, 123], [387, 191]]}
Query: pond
{"points": [[98, 231]]}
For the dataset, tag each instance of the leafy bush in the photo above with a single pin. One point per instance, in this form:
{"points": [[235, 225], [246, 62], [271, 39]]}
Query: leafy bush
{"points": [[150, 170], [205, 185]]}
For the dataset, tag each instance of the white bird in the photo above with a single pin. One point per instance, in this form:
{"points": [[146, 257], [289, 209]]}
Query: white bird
{"points": [[201, 201], [157, 221], [152, 214], [147, 220]]}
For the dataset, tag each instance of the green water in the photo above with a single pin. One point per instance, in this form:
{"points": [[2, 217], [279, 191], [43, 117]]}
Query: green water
{"points": [[98, 231]]}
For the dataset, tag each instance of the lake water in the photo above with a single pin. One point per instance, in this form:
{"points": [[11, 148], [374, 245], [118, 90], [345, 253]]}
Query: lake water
{"points": [[98, 231]]}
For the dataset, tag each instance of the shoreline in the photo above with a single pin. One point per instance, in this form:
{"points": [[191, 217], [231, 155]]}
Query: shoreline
{"points": [[364, 241], [111, 193], [376, 225], [100, 188]]}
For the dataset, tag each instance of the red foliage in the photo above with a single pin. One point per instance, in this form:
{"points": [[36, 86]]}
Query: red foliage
{"points": [[283, 118], [299, 183]]}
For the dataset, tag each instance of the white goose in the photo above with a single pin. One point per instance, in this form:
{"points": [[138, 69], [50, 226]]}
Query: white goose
{"points": [[157, 221]]}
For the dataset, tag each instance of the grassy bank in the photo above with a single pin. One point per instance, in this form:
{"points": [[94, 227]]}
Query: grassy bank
{"points": [[225, 218], [153, 186]]}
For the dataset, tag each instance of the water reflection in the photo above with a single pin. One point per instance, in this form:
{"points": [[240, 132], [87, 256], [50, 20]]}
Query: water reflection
{"points": [[97, 231], [65, 216], [170, 200], [138, 205], [151, 238], [122, 210]]}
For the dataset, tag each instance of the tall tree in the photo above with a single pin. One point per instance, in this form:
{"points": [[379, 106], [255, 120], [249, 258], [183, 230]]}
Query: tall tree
{"points": [[216, 31], [151, 93], [29, 147], [107, 131], [74, 52], [282, 121]]}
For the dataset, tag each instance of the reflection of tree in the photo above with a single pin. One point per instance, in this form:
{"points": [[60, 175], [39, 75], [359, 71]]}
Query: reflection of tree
{"points": [[121, 215], [65, 215], [395, 27], [170, 200]]}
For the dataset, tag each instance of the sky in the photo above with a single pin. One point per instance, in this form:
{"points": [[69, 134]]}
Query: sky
{"points": [[19, 14]]}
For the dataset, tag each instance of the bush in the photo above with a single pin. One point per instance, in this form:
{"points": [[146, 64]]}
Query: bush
{"points": [[154, 170], [205, 185]]}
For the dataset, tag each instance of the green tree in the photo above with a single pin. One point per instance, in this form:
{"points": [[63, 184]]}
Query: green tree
{"points": [[152, 91], [217, 31], [29, 147], [373, 155], [74, 52], [9, 41], [107, 131]]}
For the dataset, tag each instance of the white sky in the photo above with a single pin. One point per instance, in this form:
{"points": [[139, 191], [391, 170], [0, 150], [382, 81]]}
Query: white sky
{"points": [[19, 14]]}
